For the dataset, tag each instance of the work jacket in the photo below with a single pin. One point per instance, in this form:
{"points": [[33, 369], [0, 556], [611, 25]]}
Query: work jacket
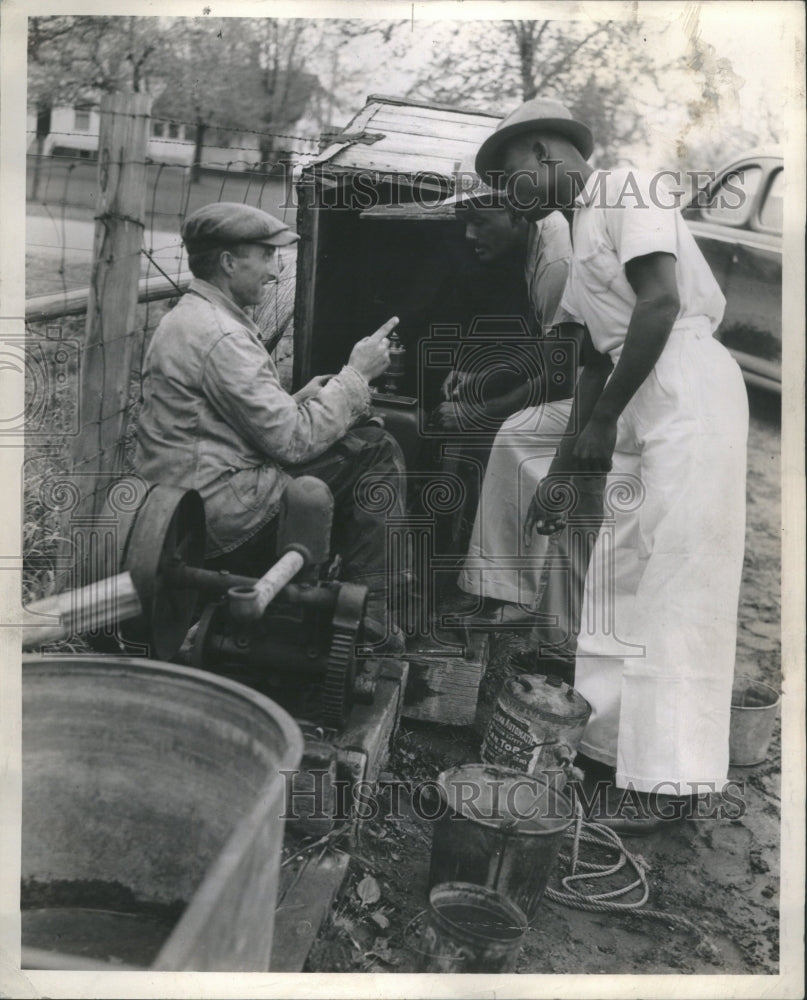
{"points": [[216, 419]]}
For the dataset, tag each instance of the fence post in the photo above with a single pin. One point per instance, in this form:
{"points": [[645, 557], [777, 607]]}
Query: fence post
{"points": [[108, 343]]}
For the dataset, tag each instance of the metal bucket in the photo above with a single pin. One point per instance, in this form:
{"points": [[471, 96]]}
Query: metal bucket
{"points": [[470, 929], [151, 816], [501, 829], [754, 707], [536, 725]]}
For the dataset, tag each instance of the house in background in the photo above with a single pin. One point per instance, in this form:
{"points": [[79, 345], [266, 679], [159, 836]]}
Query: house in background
{"points": [[73, 132]]}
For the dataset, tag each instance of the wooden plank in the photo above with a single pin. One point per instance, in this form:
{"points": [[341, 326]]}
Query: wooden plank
{"points": [[407, 144], [461, 131], [303, 908], [307, 891], [375, 158], [410, 212], [41, 308], [427, 106], [444, 688], [122, 147], [371, 727]]}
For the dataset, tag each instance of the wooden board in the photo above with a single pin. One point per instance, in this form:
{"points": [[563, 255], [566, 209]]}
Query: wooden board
{"points": [[445, 688], [303, 906], [416, 139], [371, 727], [307, 889]]}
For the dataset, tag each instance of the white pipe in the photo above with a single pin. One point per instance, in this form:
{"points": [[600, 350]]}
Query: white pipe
{"points": [[113, 599], [249, 603]]}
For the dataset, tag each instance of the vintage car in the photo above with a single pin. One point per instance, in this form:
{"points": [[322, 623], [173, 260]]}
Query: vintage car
{"points": [[737, 221]]}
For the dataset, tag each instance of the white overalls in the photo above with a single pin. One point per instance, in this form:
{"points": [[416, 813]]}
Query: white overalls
{"points": [[655, 655]]}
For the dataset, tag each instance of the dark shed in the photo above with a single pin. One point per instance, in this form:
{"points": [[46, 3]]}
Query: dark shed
{"points": [[373, 244]]}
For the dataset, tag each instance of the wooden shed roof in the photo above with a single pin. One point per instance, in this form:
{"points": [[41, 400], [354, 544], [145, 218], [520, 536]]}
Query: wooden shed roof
{"points": [[395, 136]]}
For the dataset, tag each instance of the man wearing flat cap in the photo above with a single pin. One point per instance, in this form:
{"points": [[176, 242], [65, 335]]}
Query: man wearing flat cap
{"points": [[655, 657], [216, 419]]}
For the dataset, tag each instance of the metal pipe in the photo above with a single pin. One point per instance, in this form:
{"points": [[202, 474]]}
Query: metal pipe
{"points": [[113, 599]]}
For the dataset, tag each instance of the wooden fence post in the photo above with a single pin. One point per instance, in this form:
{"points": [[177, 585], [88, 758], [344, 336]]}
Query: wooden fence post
{"points": [[106, 360]]}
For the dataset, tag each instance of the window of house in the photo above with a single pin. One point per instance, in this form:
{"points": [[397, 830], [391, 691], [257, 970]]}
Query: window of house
{"points": [[157, 129], [173, 130], [81, 119], [733, 200]]}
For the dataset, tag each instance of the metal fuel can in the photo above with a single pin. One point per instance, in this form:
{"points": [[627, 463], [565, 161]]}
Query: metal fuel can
{"points": [[536, 726]]}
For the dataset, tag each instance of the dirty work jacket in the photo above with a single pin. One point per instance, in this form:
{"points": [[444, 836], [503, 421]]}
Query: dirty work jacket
{"points": [[215, 418]]}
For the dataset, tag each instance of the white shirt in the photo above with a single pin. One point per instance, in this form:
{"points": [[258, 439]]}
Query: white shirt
{"points": [[549, 250], [619, 215]]}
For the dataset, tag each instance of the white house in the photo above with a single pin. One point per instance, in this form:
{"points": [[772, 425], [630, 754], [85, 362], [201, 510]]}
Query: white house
{"points": [[74, 132]]}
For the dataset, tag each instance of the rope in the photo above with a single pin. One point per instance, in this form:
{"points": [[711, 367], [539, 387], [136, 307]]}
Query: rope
{"points": [[600, 836]]}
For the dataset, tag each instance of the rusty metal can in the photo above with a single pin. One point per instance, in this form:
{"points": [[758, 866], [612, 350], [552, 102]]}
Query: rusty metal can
{"points": [[536, 726]]}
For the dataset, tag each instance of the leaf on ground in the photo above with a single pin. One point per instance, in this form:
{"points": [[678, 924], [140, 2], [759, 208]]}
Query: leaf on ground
{"points": [[380, 919], [343, 923], [382, 951], [368, 890]]}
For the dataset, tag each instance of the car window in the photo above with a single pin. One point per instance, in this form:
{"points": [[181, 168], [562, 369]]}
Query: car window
{"points": [[732, 201], [771, 213]]}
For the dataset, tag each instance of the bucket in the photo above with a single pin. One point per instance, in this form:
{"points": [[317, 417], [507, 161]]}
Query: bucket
{"points": [[754, 707], [470, 929], [501, 829], [152, 806], [536, 725]]}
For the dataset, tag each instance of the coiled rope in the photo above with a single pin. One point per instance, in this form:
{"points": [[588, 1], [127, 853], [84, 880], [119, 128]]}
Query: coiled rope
{"points": [[597, 835]]}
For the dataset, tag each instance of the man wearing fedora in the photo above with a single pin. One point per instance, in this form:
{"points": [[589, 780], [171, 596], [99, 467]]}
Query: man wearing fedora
{"points": [[655, 654], [216, 419]]}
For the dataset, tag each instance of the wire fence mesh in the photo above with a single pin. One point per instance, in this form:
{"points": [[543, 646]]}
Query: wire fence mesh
{"points": [[63, 199]]}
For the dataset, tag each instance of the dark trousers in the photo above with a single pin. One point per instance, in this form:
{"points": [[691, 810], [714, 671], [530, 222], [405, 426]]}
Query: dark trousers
{"points": [[365, 472]]}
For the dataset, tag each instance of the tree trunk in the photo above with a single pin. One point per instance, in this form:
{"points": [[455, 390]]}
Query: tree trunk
{"points": [[526, 55], [43, 112], [196, 169]]}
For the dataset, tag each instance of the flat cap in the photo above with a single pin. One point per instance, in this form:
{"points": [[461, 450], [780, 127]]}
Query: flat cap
{"points": [[538, 115], [227, 223]]}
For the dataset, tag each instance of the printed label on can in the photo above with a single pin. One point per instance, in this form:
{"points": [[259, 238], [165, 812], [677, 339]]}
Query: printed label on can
{"points": [[513, 743]]}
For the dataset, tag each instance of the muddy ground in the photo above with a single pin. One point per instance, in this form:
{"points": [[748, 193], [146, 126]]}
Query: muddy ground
{"points": [[721, 874]]}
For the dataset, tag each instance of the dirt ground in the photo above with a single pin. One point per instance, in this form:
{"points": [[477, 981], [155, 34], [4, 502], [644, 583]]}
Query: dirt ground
{"points": [[721, 874]]}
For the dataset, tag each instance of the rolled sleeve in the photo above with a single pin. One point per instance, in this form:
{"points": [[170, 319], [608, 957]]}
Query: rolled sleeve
{"points": [[240, 382]]}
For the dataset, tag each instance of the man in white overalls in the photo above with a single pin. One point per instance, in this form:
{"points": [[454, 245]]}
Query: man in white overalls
{"points": [[655, 654]]}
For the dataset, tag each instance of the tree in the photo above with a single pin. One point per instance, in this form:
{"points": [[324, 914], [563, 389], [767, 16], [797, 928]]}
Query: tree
{"points": [[74, 59], [235, 74], [592, 67]]}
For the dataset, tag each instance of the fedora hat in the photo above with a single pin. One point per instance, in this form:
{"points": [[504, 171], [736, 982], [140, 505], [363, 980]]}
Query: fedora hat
{"points": [[539, 114]]}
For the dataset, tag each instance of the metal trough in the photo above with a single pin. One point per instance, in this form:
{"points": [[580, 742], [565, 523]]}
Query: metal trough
{"points": [[151, 816]]}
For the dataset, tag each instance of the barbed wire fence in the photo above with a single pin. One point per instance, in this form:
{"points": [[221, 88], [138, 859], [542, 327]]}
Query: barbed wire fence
{"points": [[86, 337]]}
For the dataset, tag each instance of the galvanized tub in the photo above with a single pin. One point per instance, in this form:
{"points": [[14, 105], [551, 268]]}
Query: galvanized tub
{"points": [[151, 812], [754, 707], [501, 829]]}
